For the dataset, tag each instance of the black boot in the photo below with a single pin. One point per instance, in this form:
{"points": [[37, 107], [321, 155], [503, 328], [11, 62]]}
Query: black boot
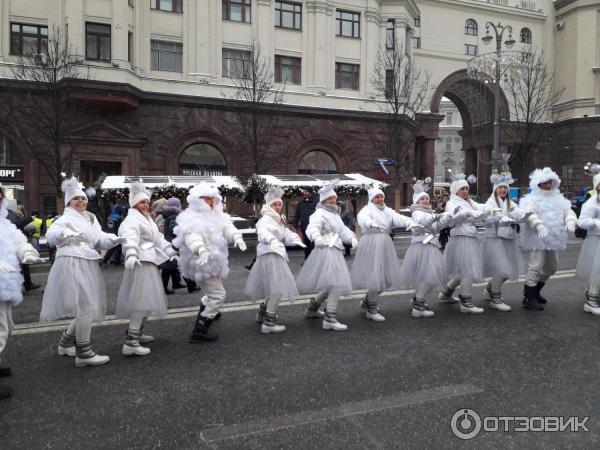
{"points": [[5, 391], [202, 308], [176, 280], [541, 299], [201, 331], [165, 275], [530, 301], [191, 285]]}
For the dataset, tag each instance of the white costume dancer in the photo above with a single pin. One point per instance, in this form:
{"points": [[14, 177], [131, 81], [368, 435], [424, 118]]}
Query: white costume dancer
{"points": [[546, 233], [271, 278], [325, 270], [463, 255], [75, 284], [202, 233], [502, 259], [14, 250], [588, 265], [376, 264], [423, 267], [142, 293]]}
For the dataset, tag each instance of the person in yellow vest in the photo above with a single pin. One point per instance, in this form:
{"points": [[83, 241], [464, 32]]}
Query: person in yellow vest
{"points": [[37, 224]]}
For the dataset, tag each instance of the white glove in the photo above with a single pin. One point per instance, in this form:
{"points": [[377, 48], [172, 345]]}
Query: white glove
{"points": [[354, 243], [131, 261], [597, 223], [490, 211], [467, 213], [5, 267], [174, 258], [319, 242], [570, 227], [68, 233], [274, 246], [506, 219], [377, 226], [542, 231], [116, 240], [300, 244], [202, 258], [239, 243], [32, 259], [414, 226]]}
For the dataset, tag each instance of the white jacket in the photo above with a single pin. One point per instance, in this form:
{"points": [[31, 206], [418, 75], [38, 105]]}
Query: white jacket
{"points": [[87, 245], [268, 230], [431, 224], [329, 226], [493, 227], [387, 217], [463, 226], [590, 212], [553, 210], [143, 239]]}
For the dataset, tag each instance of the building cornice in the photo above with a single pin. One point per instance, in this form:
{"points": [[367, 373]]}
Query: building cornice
{"points": [[485, 6]]}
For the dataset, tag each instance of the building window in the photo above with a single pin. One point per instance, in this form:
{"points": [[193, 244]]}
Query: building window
{"points": [[237, 10], [91, 171], [288, 15], [347, 23], [9, 152], [449, 145], [526, 36], [418, 22], [471, 28], [449, 117], [346, 76], [166, 56], [236, 63], [28, 39], [97, 41], [415, 42], [470, 50], [167, 5], [130, 47], [287, 69], [389, 84], [390, 34], [317, 162], [202, 160]]}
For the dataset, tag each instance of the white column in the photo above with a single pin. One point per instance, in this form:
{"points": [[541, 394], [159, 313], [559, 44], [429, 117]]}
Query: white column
{"points": [[141, 40], [190, 39], [75, 20], [4, 25], [321, 46], [263, 27], [372, 45], [119, 33]]}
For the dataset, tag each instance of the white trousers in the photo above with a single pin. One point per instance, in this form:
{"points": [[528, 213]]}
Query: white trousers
{"points": [[214, 296], [6, 324], [542, 264]]}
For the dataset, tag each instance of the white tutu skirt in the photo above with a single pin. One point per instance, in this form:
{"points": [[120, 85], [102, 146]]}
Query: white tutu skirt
{"points": [[464, 259], [324, 270], [502, 258], [423, 263], [376, 264], [75, 286], [588, 263], [142, 291], [271, 277]]}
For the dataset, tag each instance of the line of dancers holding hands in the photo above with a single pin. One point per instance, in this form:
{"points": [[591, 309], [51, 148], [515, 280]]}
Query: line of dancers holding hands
{"points": [[76, 289]]}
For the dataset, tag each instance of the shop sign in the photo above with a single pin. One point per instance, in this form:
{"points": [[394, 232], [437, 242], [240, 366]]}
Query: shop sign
{"points": [[12, 173]]}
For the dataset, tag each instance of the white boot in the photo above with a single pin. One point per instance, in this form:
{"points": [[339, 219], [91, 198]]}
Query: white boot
{"points": [[592, 304], [146, 339], [330, 322], [270, 324], [499, 305], [420, 309], [135, 350], [310, 314], [371, 310], [376, 316], [496, 300], [67, 351], [467, 306], [96, 360], [446, 296]]}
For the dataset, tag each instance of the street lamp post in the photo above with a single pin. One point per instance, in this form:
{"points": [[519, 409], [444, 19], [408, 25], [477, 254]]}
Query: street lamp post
{"points": [[499, 31]]}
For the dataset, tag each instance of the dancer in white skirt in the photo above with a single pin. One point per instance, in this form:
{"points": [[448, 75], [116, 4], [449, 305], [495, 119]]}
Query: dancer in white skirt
{"points": [[423, 267], [75, 284], [271, 278], [463, 255], [376, 264], [14, 250], [142, 293], [325, 271], [546, 232], [202, 233], [502, 259], [588, 265]]}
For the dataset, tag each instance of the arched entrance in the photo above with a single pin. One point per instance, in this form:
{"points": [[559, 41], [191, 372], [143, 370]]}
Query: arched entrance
{"points": [[202, 160], [317, 162], [12, 169], [474, 102]]}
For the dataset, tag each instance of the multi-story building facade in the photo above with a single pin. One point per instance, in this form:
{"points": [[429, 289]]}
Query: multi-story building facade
{"points": [[449, 154], [164, 68]]}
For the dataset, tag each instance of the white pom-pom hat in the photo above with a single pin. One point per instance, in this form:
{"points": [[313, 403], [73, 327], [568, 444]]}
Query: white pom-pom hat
{"points": [[420, 189], [594, 171], [373, 192], [539, 176], [72, 188], [274, 194], [328, 190], [137, 193], [501, 179]]}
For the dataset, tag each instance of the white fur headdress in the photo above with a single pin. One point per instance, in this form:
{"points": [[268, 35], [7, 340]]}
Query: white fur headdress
{"points": [[420, 189], [203, 189], [373, 192], [328, 190], [137, 193], [594, 171], [72, 188], [501, 179], [273, 194], [539, 176]]}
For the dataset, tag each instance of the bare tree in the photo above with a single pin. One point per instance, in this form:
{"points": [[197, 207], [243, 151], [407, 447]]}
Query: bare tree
{"points": [[402, 89], [532, 93], [258, 116], [35, 104]]}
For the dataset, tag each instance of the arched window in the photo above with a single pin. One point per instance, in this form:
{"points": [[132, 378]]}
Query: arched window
{"points": [[525, 35], [317, 162], [202, 160], [471, 28], [9, 152]]}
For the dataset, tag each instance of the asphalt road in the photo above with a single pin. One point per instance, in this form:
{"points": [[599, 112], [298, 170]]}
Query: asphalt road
{"points": [[395, 384]]}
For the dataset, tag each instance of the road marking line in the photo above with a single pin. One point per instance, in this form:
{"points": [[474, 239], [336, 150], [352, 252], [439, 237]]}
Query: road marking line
{"points": [[190, 311], [337, 412]]}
